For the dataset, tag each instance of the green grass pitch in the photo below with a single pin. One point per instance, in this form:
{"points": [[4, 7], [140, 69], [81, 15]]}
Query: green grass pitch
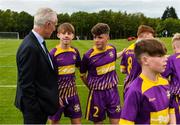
{"points": [[8, 76]]}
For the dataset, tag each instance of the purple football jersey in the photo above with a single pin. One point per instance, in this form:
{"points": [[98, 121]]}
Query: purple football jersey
{"points": [[173, 71], [130, 64], [147, 102], [65, 61], [100, 66]]}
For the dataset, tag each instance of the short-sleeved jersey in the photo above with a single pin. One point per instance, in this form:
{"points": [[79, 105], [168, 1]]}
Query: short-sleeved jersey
{"points": [[130, 64], [173, 71], [65, 61], [100, 66], [147, 102]]}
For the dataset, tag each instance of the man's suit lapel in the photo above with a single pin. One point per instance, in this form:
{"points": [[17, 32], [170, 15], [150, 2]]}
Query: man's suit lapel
{"points": [[35, 41]]}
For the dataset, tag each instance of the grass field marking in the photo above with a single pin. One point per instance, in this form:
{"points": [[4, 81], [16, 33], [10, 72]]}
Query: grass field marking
{"points": [[8, 54], [14, 86], [7, 66], [7, 86]]}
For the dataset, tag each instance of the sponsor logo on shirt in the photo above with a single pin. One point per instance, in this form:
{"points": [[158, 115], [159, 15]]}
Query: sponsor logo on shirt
{"points": [[63, 70], [152, 99], [160, 117], [105, 68]]}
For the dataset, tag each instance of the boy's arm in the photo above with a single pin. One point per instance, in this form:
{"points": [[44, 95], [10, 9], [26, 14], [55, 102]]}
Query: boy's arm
{"points": [[119, 54], [123, 69], [84, 79], [123, 64], [83, 70], [172, 117]]}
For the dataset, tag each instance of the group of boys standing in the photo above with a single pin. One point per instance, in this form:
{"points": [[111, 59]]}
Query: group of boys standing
{"points": [[147, 97]]}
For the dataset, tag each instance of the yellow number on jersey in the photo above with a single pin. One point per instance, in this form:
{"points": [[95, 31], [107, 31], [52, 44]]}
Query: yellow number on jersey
{"points": [[129, 61]]}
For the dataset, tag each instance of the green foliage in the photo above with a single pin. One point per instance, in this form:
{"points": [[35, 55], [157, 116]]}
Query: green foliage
{"points": [[169, 24], [122, 24], [169, 13]]}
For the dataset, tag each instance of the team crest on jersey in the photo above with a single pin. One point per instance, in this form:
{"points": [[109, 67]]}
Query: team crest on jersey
{"points": [[76, 107], [74, 57], [118, 108], [111, 54]]}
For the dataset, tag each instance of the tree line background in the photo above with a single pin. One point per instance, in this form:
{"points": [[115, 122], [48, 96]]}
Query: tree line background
{"points": [[122, 24]]}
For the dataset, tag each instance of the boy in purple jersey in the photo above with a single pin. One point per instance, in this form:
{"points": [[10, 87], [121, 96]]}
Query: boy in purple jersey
{"points": [[129, 64], [66, 58], [147, 100], [173, 72], [99, 75]]}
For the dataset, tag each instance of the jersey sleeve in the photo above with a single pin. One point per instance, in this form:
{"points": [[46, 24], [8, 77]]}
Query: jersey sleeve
{"points": [[52, 55], [78, 59], [115, 52], [123, 63], [172, 104], [84, 65], [168, 69], [131, 107]]}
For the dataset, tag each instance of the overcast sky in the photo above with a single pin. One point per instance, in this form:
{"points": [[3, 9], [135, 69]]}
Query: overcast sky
{"points": [[150, 8]]}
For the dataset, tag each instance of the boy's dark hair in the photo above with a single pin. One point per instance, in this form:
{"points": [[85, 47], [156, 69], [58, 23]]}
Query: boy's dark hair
{"points": [[100, 28], [152, 47], [66, 27], [145, 28]]}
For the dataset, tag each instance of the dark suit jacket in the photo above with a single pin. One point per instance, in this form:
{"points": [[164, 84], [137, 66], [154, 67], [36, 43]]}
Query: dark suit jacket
{"points": [[37, 87]]}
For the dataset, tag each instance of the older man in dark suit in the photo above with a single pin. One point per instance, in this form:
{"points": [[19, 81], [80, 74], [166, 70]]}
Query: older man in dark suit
{"points": [[37, 88]]}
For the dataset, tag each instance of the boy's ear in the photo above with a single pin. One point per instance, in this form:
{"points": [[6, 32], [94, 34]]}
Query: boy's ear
{"points": [[58, 35], [144, 59]]}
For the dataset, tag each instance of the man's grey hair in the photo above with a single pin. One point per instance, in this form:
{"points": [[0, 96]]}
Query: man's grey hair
{"points": [[43, 15]]}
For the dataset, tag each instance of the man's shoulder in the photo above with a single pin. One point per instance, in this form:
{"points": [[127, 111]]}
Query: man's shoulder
{"points": [[28, 43]]}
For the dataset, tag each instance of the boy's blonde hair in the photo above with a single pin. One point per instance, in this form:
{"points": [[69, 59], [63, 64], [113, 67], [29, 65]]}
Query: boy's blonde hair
{"points": [[176, 37], [66, 27]]}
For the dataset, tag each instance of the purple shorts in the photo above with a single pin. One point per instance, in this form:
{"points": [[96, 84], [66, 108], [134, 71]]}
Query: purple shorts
{"points": [[102, 101], [71, 109]]}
